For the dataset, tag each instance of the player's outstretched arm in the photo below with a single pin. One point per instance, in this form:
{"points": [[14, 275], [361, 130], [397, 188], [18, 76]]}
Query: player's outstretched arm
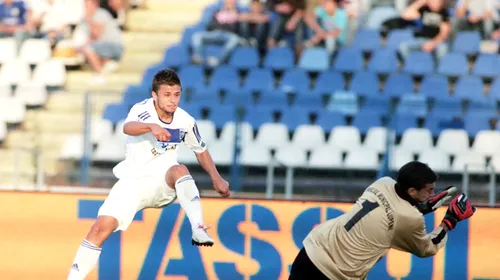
{"points": [[411, 236], [139, 128], [207, 163]]}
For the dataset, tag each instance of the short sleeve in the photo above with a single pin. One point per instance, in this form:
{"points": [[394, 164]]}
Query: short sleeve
{"points": [[138, 114], [193, 139]]}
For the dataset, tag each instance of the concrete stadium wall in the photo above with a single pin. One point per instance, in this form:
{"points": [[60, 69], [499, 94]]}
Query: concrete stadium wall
{"points": [[255, 239]]}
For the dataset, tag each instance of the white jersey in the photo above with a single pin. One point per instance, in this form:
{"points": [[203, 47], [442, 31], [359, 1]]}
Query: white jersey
{"points": [[144, 153]]}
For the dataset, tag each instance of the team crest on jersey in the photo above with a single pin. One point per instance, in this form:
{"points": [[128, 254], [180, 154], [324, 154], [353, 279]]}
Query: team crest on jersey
{"points": [[182, 134]]}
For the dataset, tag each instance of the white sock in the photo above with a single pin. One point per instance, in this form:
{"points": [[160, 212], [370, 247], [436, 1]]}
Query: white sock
{"points": [[189, 199], [85, 260]]}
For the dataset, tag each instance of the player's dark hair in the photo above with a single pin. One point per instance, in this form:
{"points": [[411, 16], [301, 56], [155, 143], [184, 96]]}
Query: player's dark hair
{"points": [[416, 175], [165, 77]]}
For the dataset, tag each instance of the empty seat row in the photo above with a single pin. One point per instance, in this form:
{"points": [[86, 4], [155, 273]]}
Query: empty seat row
{"points": [[112, 149], [50, 73], [32, 51]]}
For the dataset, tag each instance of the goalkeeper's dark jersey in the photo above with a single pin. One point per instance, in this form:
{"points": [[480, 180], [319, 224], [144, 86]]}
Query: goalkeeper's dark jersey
{"points": [[348, 246]]}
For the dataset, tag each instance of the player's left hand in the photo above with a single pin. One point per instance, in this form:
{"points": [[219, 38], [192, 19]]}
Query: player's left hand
{"points": [[437, 201], [222, 187]]}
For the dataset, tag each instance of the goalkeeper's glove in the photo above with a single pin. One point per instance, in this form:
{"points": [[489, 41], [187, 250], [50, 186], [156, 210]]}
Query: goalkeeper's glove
{"points": [[436, 201], [460, 209]]}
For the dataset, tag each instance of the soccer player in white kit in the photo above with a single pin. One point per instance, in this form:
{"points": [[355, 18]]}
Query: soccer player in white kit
{"points": [[150, 176]]}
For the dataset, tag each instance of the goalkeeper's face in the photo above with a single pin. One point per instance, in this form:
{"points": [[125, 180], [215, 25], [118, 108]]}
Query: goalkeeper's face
{"points": [[167, 98], [423, 194]]}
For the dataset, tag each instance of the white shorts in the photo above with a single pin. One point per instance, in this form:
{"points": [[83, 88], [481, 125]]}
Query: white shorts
{"points": [[130, 195]]}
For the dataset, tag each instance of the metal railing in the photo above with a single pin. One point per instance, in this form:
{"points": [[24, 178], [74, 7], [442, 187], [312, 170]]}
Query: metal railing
{"points": [[491, 171], [37, 181]]}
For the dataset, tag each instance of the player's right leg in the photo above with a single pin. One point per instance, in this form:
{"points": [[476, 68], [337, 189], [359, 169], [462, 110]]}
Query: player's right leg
{"points": [[90, 249], [116, 213], [304, 269]]}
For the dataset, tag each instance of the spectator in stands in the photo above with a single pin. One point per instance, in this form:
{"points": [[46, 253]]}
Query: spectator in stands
{"points": [[117, 9], [255, 24], [475, 15], [290, 15], [49, 21], [104, 46], [223, 30], [329, 23], [435, 27], [13, 20]]}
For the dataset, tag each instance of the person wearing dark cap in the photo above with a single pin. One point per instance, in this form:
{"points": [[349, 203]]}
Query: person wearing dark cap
{"points": [[389, 214]]}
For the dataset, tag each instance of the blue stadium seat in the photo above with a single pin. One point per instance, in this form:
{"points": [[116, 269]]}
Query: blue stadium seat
{"points": [[377, 104], [187, 34], [364, 120], [314, 59], [401, 122], [258, 115], [348, 60], [176, 56], [294, 116], [279, 58], [419, 63], [383, 61], [412, 104], [148, 75], [345, 102], [308, 99], [487, 65], [328, 82], [225, 78], [364, 83], [437, 121], [329, 119], [259, 79], [244, 58], [378, 15], [194, 110], [192, 77], [206, 97], [469, 88], [221, 114], [367, 40], [453, 64], [435, 86], [134, 94], [398, 36], [398, 84], [449, 106], [495, 89], [294, 80], [467, 42], [476, 122], [115, 112], [274, 96], [238, 98]]}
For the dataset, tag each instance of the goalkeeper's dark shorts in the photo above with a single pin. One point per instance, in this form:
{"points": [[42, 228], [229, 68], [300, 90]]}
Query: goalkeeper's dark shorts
{"points": [[304, 269]]}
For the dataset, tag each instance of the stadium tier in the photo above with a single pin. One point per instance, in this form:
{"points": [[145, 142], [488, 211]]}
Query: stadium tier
{"points": [[318, 103]]}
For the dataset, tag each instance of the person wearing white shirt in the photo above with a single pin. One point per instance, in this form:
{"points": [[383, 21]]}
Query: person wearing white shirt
{"points": [[150, 176]]}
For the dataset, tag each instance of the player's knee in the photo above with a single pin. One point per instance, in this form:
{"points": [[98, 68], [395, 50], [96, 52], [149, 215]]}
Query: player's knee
{"points": [[174, 173], [101, 229]]}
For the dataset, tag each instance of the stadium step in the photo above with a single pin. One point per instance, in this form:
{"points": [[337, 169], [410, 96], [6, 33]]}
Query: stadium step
{"points": [[73, 102], [194, 6], [133, 62], [158, 21], [116, 82], [148, 42], [53, 122]]}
